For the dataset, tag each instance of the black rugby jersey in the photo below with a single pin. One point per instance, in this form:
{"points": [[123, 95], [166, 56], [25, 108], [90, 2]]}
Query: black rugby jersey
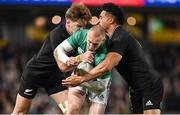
{"points": [[44, 61], [133, 66]]}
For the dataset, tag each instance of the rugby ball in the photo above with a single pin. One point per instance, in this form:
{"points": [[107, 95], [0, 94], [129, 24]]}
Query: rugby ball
{"points": [[93, 85]]}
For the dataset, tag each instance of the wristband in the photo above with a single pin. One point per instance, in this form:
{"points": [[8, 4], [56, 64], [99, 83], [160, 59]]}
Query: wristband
{"points": [[67, 63], [78, 58]]}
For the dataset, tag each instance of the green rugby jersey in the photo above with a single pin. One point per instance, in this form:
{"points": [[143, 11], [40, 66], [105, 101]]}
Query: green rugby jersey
{"points": [[78, 41]]}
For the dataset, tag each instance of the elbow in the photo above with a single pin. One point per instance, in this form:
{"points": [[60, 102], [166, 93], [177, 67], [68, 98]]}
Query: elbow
{"points": [[64, 70], [62, 66], [55, 54]]}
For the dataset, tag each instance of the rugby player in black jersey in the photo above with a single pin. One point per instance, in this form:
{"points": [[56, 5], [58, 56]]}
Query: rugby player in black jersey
{"points": [[42, 71], [126, 55]]}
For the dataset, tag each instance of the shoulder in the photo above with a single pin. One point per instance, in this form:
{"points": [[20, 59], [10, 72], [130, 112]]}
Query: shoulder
{"points": [[82, 32], [59, 33], [59, 29], [121, 33]]}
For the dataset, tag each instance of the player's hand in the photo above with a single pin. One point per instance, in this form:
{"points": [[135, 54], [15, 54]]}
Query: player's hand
{"points": [[73, 80], [87, 56], [72, 61]]}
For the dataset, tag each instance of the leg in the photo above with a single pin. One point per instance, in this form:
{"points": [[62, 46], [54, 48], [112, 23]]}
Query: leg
{"points": [[136, 102], [76, 98], [99, 100], [61, 99], [24, 97], [97, 108], [85, 107], [57, 91], [153, 97], [22, 105], [152, 111]]}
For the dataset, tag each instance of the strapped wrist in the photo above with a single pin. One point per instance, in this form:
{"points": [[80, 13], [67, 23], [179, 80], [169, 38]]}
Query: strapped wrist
{"points": [[67, 63], [78, 58]]}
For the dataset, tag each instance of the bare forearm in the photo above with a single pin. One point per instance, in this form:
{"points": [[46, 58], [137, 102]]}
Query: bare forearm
{"points": [[63, 67], [108, 64], [62, 59]]}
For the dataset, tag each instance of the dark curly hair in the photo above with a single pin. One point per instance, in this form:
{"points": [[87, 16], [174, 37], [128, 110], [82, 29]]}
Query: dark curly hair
{"points": [[115, 11]]}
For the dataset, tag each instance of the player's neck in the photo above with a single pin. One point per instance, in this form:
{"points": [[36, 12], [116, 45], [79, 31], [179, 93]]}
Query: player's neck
{"points": [[111, 30]]}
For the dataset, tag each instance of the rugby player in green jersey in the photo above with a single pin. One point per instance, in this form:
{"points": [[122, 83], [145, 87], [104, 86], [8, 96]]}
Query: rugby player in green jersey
{"points": [[93, 43]]}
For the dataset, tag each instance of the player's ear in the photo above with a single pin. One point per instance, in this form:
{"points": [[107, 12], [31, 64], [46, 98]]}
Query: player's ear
{"points": [[67, 21], [112, 20]]}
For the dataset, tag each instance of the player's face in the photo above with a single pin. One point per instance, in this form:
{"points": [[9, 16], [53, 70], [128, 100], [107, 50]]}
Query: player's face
{"points": [[93, 42], [104, 20], [73, 26]]}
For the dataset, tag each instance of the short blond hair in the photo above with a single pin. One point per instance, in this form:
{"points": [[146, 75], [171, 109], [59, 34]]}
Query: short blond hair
{"points": [[78, 12], [98, 30]]}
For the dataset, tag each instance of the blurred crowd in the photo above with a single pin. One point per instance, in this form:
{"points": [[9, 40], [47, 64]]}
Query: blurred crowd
{"points": [[13, 56]]}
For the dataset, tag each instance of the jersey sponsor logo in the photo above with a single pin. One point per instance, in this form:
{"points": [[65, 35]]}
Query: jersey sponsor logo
{"points": [[80, 51], [28, 91], [101, 97], [148, 103]]}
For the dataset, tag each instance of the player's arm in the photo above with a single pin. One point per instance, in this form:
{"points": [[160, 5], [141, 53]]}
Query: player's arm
{"points": [[111, 60], [56, 38], [62, 59], [66, 63], [117, 48]]}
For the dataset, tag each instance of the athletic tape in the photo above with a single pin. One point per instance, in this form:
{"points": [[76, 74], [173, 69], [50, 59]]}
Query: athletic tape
{"points": [[63, 106]]}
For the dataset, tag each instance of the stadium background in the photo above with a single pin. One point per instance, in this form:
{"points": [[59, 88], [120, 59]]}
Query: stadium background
{"points": [[25, 23]]}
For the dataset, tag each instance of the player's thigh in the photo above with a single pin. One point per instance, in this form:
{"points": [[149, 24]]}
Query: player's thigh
{"points": [[101, 97], [57, 92], [97, 108], [98, 101], [22, 105], [28, 89], [153, 96], [136, 98], [85, 107], [152, 111], [76, 97], [55, 89], [54, 84], [26, 93], [61, 98]]}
